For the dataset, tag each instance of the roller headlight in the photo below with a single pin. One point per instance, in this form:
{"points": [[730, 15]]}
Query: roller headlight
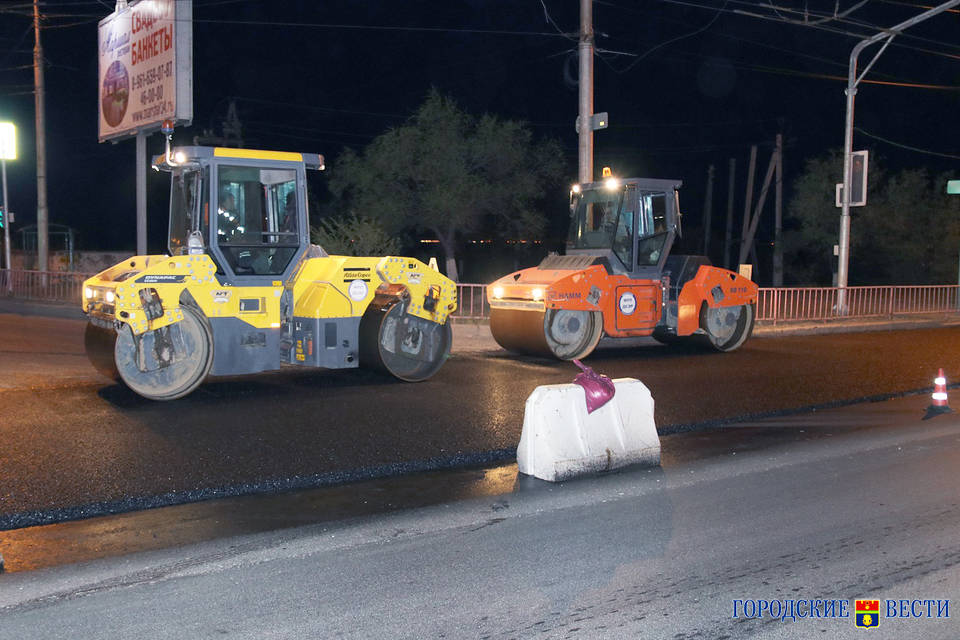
{"points": [[537, 294], [109, 297], [498, 292], [87, 293]]}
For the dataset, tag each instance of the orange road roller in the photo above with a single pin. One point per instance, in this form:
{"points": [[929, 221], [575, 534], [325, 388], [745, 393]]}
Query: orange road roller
{"points": [[619, 280]]}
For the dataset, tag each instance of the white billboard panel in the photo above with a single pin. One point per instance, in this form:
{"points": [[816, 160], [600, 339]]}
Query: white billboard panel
{"points": [[146, 67]]}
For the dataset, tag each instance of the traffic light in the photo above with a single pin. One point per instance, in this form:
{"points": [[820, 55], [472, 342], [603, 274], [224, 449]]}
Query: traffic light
{"points": [[858, 179], [3, 220]]}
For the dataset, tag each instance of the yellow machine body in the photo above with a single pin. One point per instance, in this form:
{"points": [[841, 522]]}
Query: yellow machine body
{"points": [[208, 309]]}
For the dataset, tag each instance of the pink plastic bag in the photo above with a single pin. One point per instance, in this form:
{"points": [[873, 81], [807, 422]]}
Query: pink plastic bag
{"points": [[597, 388]]}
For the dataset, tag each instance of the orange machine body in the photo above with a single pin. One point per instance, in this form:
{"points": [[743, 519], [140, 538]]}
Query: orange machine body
{"points": [[630, 307], [619, 279]]}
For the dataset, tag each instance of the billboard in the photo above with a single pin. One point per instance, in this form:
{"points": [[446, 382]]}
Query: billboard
{"points": [[146, 67]]}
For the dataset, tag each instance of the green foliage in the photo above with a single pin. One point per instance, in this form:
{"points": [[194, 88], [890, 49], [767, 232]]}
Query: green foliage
{"points": [[448, 172], [908, 233], [354, 236]]}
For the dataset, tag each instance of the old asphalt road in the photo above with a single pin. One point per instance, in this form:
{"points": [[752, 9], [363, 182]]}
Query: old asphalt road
{"points": [[828, 506]]}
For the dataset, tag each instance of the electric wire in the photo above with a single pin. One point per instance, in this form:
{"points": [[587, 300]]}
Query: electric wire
{"points": [[672, 40], [907, 147], [807, 23], [549, 19]]}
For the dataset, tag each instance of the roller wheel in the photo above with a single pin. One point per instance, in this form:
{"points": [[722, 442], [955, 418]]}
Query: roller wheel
{"points": [[727, 328], [99, 344], [556, 333], [520, 331], [405, 346], [190, 366], [572, 334]]}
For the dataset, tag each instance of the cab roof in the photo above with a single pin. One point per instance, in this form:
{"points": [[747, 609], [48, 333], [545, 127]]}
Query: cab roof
{"points": [[644, 184], [194, 153]]}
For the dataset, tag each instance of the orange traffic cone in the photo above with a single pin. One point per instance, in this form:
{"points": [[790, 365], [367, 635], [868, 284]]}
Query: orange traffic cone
{"points": [[939, 397]]}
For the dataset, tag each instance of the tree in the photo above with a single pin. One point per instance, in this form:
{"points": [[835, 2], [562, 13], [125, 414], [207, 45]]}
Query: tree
{"points": [[908, 233], [354, 236], [447, 172]]}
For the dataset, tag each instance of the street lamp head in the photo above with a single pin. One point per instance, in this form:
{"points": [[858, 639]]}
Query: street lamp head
{"points": [[8, 141]]}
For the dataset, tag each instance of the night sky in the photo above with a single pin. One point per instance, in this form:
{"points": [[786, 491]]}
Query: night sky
{"points": [[686, 84]]}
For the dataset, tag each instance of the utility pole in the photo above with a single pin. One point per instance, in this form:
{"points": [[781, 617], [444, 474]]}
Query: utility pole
{"points": [[585, 129], [747, 243], [728, 236], [747, 203], [43, 248], [708, 211], [778, 218]]}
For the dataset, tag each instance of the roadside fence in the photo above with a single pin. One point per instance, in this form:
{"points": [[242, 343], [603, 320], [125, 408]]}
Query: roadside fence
{"points": [[792, 304], [42, 286], [472, 302], [783, 304]]}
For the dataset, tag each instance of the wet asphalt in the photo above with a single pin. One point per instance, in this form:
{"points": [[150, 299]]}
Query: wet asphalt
{"points": [[79, 446]]}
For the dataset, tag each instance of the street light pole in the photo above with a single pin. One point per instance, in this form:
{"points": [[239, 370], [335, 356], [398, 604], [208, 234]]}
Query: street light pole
{"points": [[852, 82], [6, 226], [8, 151]]}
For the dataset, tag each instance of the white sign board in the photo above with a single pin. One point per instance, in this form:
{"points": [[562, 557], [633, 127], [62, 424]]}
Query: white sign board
{"points": [[146, 67]]}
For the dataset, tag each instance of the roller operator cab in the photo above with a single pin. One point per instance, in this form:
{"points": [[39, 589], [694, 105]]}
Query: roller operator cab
{"points": [[243, 291], [619, 280]]}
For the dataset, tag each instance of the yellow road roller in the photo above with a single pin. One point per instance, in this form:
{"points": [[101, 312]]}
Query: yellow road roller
{"points": [[243, 291]]}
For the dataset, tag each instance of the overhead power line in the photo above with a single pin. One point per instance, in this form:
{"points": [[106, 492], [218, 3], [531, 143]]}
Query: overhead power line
{"points": [[837, 16], [348, 27], [906, 146], [676, 39]]}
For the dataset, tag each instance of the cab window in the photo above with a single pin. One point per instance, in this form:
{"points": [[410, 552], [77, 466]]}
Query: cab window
{"points": [[623, 238], [258, 229], [653, 229], [188, 206]]}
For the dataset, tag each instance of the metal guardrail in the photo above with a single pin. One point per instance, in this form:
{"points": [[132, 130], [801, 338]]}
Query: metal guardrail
{"points": [[44, 286], [472, 302], [784, 304], [793, 304]]}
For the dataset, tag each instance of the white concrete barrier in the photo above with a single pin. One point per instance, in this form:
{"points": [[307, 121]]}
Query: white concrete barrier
{"points": [[560, 440]]}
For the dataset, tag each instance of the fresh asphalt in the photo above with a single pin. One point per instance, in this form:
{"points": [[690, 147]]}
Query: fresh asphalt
{"points": [[842, 503], [78, 445]]}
